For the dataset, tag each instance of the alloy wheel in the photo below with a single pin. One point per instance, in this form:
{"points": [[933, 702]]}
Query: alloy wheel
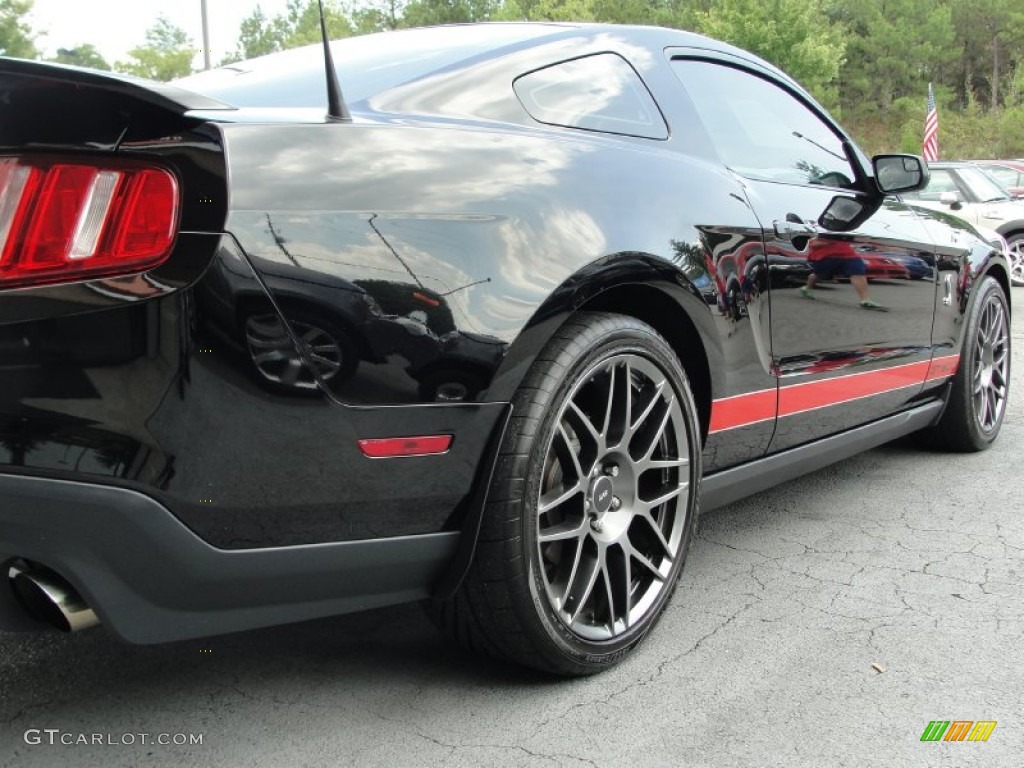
{"points": [[990, 376], [614, 496], [1016, 255]]}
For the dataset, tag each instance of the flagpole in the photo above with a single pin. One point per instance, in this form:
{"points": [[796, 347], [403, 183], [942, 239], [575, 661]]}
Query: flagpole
{"points": [[206, 36]]}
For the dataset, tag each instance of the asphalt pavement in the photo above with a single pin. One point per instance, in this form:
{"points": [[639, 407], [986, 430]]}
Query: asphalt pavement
{"points": [[825, 622]]}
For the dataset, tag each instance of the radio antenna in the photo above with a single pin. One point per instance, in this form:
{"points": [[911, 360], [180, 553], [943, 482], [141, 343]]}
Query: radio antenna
{"points": [[336, 109]]}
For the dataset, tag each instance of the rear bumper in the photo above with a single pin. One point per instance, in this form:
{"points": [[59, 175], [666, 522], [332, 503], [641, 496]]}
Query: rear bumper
{"points": [[151, 579]]}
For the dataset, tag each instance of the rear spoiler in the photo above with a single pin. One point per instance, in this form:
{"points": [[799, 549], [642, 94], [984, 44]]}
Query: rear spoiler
{"points": [[161, 95], [53, 104]]}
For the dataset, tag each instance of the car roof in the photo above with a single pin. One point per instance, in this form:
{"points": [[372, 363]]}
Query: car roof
{"points": [[1017, 165], [371, 64]]}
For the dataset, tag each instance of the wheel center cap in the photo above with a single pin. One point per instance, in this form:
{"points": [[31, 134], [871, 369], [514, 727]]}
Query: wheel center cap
{"points": [[601, 494]]}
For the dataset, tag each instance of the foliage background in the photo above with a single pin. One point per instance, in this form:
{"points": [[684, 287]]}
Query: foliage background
{"points": [[867, 61]]}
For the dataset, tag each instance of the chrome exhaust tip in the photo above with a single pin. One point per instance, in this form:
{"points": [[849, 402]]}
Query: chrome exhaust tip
{"points": [[49, 598]]}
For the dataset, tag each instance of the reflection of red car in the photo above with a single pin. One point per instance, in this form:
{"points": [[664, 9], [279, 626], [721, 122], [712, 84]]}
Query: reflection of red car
{"points": [[879, 265], [882, 267], [736, 273]]}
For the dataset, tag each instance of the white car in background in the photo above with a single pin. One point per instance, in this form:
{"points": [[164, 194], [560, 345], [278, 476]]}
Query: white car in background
{"points": [[967, 191]]}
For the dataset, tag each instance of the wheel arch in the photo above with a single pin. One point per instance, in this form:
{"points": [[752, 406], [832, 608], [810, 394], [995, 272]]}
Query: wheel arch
{"points": [[641, 286], [1015, 233], [996, 271], [1011, 229], [660, 311]]}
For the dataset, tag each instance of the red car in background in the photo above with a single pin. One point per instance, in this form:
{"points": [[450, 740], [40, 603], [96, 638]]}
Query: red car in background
{"points": [[1009, 173], [881, 267]]}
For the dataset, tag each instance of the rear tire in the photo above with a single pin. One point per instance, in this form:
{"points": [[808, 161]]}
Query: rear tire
{"points": [[592, 506], [977, 399]]}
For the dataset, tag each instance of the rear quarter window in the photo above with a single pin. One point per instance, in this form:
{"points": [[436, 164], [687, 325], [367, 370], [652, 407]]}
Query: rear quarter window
{"points": [[600, 93]]}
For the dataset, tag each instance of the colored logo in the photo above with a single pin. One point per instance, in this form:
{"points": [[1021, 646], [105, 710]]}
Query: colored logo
{"points": [[958, 730]]}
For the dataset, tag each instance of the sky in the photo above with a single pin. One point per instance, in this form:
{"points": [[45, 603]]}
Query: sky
{"points": [[117, 26]]}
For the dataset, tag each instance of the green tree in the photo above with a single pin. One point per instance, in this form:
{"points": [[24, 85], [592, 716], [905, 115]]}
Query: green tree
{"points": [[17, 38], [991, 36], [377, 16], [302, 22], [666, 13], [545, 10], [894, 49], [298, 25], [257, 37], [84, 55], [167, 53], [423, 13], [794, 35]]}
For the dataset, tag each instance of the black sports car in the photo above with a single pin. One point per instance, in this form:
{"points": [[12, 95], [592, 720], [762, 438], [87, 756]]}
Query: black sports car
{"points": [[487, 332]]}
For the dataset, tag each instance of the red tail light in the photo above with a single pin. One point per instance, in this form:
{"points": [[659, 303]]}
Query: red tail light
{"points": [[62, 221]]}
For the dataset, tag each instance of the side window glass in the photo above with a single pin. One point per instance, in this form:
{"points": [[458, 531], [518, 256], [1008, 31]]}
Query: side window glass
{"points": [[595, 93], [762, 131], [1004, 176]]}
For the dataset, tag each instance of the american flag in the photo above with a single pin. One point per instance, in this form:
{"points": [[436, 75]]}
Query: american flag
{"points": [[931, 128]]}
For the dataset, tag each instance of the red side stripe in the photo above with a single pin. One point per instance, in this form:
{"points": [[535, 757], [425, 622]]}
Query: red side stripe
{"points": [[743, 410], [943, 367], [819, 394], [748, 409]]}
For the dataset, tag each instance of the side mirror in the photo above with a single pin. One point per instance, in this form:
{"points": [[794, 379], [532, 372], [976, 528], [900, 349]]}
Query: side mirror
{"points": [[846, 213], [899, 173], [952, 199]]}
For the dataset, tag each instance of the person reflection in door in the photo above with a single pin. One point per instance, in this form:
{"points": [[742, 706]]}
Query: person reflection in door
{"points": [[828, 258]]}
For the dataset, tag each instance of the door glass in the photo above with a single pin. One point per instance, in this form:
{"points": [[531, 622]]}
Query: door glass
{"points": [[762, 131], [1004, 176], [941, 181]]}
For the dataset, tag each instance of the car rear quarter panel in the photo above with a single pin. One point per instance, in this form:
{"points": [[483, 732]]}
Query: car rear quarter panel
{"points": [[509, 229]]}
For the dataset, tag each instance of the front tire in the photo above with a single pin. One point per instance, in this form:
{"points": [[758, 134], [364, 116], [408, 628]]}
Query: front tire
{"points": [[592, 507], [1015, 246], [977, 399]]}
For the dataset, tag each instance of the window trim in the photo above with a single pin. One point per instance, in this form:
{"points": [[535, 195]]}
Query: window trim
{"points": [[659, 112], [860, 163]]}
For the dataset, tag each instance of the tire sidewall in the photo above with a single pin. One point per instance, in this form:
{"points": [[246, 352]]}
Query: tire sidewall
{"points": [[640, 340], [988, 290]]}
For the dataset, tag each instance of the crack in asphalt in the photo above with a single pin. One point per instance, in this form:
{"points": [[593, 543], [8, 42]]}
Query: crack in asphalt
{"points": [[658, 672], [556, 757]]}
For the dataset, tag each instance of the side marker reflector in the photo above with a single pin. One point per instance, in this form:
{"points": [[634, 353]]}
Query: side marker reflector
{"points": [[394, 447]]}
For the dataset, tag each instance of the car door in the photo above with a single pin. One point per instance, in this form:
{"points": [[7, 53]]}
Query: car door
{"points": [[852, 343]]}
